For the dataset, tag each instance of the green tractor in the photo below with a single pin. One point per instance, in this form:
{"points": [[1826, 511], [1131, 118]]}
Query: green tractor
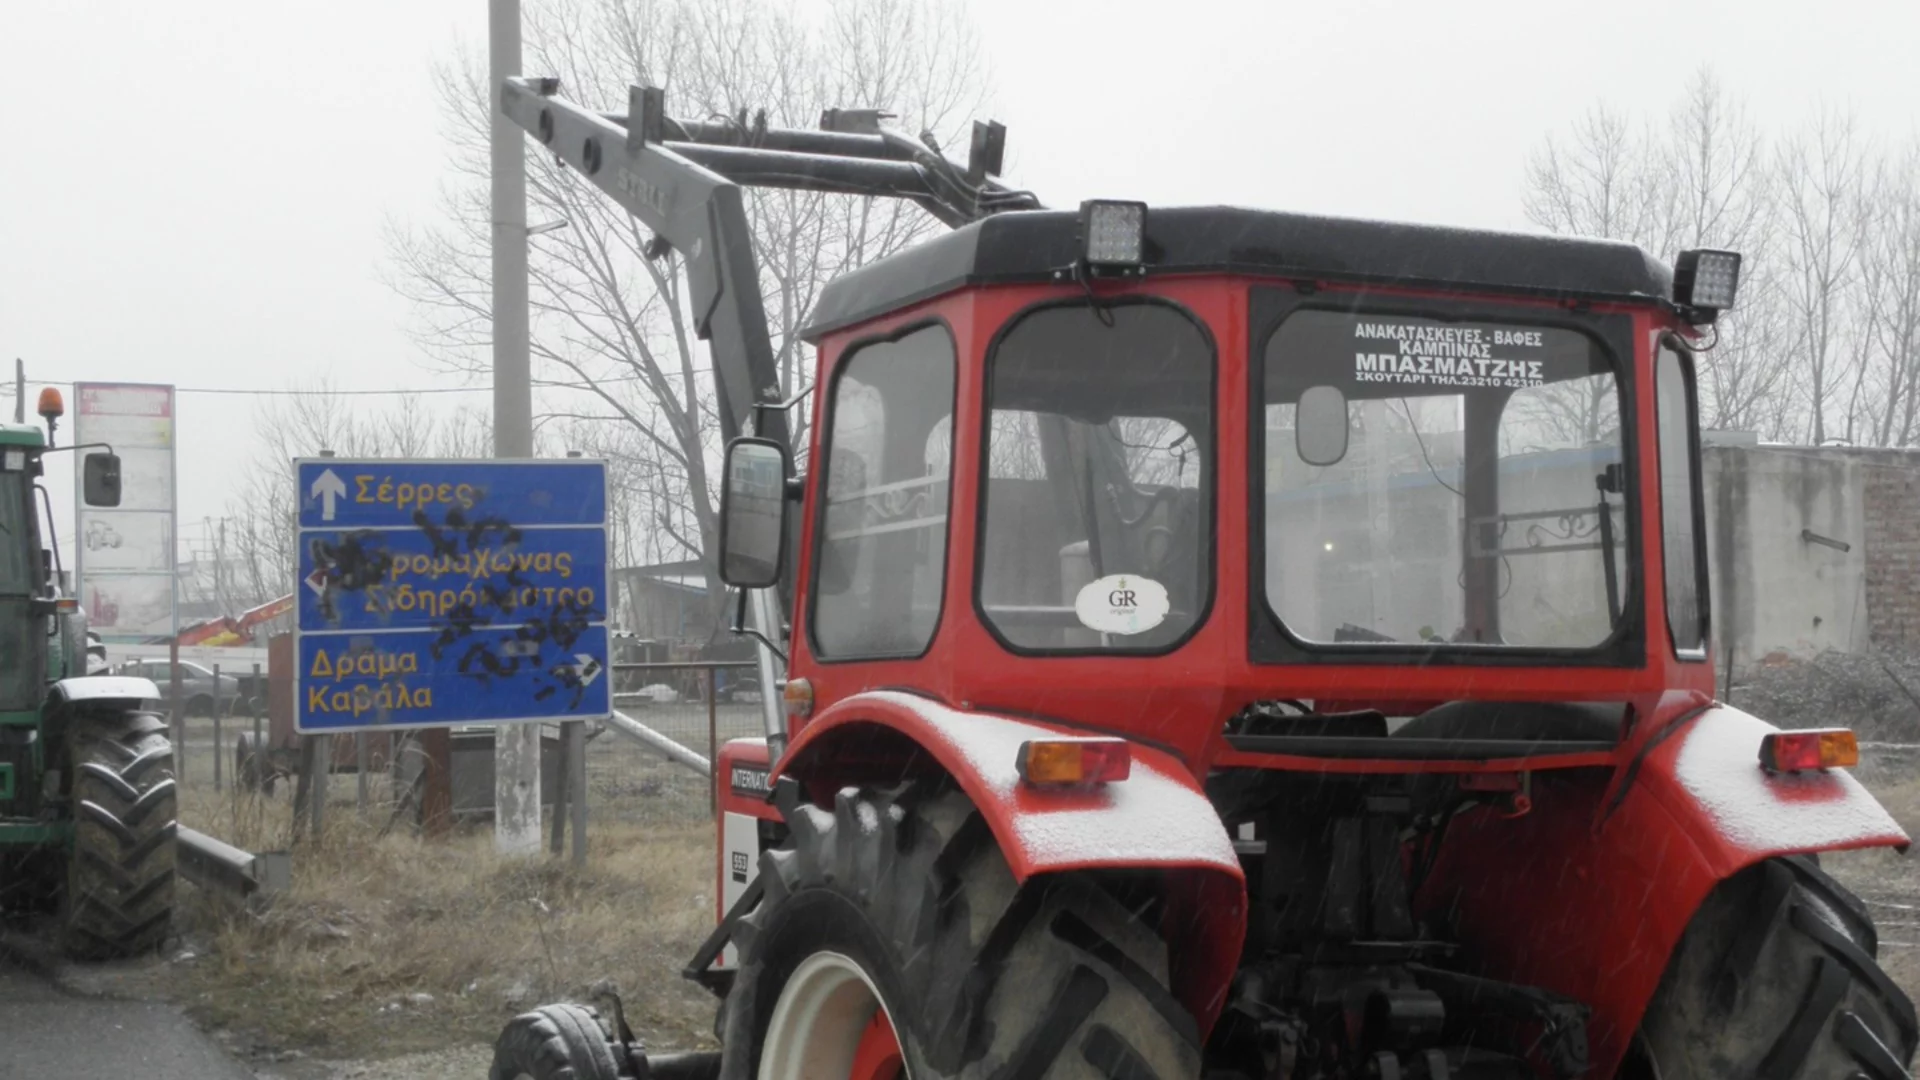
{"points": [[87, 798]]}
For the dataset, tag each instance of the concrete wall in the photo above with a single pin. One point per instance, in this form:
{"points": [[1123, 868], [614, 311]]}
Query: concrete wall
{"points": [[1775, 590]]}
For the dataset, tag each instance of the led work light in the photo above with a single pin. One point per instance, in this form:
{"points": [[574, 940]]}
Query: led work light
{"points": [[1706, 280], [1113, 233]]}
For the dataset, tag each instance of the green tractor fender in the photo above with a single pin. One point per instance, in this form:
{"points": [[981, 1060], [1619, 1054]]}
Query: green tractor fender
{"points": [[102, 691]]}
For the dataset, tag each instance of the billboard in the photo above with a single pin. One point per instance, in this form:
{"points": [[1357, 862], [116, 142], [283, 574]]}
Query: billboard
{"points": [[124, 556]]}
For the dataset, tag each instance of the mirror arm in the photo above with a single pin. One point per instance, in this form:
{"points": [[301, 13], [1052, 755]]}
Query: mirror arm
{"points": [[53, 538], [108, 447], [740, 626]]}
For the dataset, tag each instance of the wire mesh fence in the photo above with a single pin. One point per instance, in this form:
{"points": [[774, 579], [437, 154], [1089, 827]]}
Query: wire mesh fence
{"points": [[698, 706]]}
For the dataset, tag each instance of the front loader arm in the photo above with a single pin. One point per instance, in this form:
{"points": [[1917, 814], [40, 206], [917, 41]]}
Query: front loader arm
{"points": [[682, 180], [695, 210]]}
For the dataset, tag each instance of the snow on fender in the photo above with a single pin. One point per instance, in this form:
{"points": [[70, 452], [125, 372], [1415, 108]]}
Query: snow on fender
{"points": [[1159, 816], [1157, 819], [1760, 813]]}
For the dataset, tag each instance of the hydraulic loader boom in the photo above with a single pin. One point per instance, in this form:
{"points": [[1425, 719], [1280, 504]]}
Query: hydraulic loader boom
{"points": [[682, 180]]}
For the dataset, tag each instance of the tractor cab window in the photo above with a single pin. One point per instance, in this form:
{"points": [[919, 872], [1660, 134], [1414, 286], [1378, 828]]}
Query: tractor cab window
{"points": [[1480, 498], [20, 677], [18, 567], [881, 552], [1099, 474]]}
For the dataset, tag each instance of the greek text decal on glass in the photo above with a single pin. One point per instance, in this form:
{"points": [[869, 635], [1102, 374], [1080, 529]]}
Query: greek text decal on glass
{"points": [[1480, 499], [1099, 461], [881, 568]]}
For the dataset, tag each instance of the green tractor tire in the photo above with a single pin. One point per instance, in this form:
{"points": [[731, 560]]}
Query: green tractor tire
{"points": [[118, 900]]}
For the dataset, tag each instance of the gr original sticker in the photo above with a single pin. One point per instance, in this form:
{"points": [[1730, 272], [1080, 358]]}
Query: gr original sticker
{"points": [[1122, 604]]}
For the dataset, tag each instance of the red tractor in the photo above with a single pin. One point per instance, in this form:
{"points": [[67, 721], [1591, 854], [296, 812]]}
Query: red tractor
{"points": [[1230, 644]]}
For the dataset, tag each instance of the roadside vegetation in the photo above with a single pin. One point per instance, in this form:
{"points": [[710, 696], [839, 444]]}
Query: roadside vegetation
{"points": [[388, 944]]}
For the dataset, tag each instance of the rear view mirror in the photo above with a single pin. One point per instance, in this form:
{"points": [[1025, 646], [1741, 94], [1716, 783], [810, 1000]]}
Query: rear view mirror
{"points": [[100, 483], [753, 514], [1320, 425]]}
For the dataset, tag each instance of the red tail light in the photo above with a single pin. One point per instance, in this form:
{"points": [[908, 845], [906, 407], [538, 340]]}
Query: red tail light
{"points": [[1821, 748], [1073, 762]]}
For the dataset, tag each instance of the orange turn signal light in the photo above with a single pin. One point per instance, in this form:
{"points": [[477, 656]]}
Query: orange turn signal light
{"points": [[1819, 748], [1075, 762], [797, 695]]}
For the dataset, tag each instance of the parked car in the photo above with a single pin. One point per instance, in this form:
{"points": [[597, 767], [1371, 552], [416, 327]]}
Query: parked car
{"points": [[198, 688]]}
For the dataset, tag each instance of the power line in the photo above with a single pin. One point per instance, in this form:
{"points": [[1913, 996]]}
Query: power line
{"points": [[394, 392]]}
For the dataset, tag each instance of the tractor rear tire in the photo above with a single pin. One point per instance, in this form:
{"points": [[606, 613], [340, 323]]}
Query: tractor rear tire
{"points": [[1775, 979], [554, 1042], [903, 901], [118, 899]]}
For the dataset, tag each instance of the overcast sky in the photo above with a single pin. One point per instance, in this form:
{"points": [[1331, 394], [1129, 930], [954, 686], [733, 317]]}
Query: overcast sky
{"points": [[193, 192]]}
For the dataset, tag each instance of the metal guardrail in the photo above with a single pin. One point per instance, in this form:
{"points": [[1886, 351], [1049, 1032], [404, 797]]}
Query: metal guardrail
{"points": [[218, 865]]}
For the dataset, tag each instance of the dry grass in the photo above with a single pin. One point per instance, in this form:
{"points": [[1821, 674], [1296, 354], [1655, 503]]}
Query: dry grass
{"points": [[371, 921]]}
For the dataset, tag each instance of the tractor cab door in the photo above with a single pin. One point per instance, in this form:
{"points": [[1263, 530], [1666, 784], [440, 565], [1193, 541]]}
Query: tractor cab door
{"points": [[1096, 526], [22, 636]]}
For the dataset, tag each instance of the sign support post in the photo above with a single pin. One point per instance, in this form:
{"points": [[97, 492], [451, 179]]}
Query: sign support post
{"points": [[516, 793]]}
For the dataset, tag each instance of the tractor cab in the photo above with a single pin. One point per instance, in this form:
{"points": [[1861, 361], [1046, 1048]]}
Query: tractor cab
{"points": [[1253, 456]]}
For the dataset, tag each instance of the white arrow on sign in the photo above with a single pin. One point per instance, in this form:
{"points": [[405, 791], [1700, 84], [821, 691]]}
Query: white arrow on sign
{"points": [[585, 668], [317, 581], [327, 487]]}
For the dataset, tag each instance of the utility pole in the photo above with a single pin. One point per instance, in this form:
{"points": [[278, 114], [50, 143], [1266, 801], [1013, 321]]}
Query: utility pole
{"points": [[516, 747]]}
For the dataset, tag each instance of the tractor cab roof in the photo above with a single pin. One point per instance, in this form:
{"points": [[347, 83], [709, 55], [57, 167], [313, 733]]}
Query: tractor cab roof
{"points": [[21, 435], [1032, 245]]}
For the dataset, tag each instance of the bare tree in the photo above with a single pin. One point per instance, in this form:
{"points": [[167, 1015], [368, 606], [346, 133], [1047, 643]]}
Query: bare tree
{"points": [[1890, 292], [1701, 180], [1819, 172], [1717, 193], [613, 344], [258, 547], [1600, 180]]}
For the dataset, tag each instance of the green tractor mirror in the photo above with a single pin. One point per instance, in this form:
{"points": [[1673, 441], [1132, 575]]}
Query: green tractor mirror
{"points": [[100, 479]]}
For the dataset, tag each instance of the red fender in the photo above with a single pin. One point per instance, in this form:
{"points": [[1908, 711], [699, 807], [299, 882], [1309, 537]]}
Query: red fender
{"points": [[1159, 818], [1588, 895]]}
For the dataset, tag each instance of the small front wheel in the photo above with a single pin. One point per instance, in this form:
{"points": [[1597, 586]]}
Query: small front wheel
{"points": [[554, 1042]]}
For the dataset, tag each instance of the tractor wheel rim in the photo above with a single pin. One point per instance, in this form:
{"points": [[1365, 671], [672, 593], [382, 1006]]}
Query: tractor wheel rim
{"points": [[829, 1023]]}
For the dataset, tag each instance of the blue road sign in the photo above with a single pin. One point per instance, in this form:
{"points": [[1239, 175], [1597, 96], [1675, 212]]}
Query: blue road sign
{"points": [[450, 592], [372, 579], [345, 494], [427, 678]]}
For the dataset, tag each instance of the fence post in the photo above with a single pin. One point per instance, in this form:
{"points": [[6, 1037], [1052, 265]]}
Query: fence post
{"points": [[577, 787], [713, 743], [557, 840], [260, 756], [216, 730]]}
